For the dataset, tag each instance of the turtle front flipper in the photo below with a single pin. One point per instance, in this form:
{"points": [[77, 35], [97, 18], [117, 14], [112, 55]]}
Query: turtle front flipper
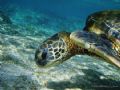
{"points": [[97, 45]]}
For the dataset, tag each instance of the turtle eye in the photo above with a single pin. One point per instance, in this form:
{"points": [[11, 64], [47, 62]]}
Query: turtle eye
{"points": [[44, 54], [41, 56]]}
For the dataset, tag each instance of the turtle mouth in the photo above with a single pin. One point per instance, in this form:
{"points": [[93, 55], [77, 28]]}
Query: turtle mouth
{"points": [[41, 63]]}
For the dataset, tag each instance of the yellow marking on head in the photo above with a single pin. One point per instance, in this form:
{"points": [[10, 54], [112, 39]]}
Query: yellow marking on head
{"points": [[72, 48]]}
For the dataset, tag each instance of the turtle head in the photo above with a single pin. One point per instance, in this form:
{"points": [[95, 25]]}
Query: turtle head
{"points": [[53, 51]]}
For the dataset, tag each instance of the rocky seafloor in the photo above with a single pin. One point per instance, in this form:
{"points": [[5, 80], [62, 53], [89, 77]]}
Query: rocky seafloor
{"points": [[19, 38]]}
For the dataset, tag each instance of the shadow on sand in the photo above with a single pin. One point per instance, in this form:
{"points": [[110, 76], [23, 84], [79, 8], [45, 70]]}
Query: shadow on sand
{"points": [[91, 80]]}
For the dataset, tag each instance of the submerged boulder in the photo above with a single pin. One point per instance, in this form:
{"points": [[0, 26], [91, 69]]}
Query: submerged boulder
{"points": [[4, 19]]}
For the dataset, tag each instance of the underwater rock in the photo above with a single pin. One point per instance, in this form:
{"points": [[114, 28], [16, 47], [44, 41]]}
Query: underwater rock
{"points": [[4, 19], [25, 83]]}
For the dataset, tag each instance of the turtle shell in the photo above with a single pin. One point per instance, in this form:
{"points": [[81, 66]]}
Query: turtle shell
{"points": [[107, 25], [104, 23]]}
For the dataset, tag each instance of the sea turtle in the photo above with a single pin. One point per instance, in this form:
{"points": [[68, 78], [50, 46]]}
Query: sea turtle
{"points": [[100, 37]]}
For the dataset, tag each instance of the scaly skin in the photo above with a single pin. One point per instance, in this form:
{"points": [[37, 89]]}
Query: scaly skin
{"points": [[97, 45], [69, 49]]}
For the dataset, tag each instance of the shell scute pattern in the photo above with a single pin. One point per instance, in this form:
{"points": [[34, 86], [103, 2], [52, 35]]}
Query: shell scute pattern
{"points": [[104, 22], [113, 28]]}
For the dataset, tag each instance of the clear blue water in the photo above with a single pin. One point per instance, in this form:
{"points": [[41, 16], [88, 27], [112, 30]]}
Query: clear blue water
{"points": [[33, 21], [70, 9], [66, 8]]}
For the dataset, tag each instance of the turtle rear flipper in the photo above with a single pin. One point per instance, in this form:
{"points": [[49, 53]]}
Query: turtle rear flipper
{"points": [[96, 45]]}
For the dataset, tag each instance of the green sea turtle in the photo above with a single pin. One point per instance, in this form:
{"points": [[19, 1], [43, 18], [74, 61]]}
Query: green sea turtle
{"points": [[100, 38]]}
